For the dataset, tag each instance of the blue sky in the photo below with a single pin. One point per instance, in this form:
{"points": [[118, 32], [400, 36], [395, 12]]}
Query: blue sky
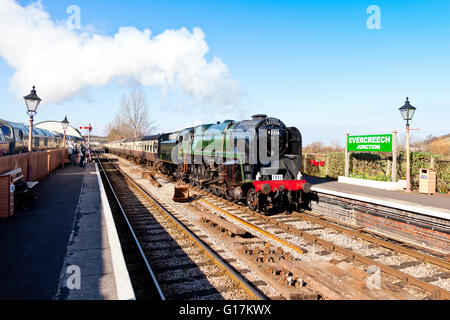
{"points": [[313, 64]]}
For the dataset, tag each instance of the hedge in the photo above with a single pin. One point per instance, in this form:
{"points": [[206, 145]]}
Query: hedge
{"points": [[378, 167], [443, 176]]}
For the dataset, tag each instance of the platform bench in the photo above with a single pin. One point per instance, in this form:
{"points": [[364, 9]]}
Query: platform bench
{"points": [[24, 194]]}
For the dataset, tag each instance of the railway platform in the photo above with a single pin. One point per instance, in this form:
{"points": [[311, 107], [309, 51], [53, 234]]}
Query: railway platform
{"points": [[421, 202], [412, 218], [64, 246]]}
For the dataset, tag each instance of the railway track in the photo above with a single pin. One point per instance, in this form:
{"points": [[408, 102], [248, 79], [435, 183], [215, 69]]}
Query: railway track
{"points": [[315, 231], [179, 263], [298, 231]]}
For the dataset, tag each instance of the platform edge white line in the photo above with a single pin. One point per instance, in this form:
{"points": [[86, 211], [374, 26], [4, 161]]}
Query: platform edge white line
{"points": [[429, 211], [122, 278]]}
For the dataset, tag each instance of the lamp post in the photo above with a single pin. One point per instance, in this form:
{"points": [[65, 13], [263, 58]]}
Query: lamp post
{"points": [[32, 101], [65, 124], [407, 112]]}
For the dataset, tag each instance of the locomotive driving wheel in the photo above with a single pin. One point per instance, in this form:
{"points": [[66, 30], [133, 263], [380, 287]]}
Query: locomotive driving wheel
{"points": [[252, 199], [229, 196]]}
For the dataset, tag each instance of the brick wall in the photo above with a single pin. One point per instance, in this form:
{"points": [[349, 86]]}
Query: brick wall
{"points": [[403, 225]]}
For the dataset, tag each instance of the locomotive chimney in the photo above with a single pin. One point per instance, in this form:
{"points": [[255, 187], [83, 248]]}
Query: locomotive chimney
{"points": [[259, 116]]}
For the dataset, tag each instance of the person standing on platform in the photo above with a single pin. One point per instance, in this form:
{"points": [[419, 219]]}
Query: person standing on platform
{"points": [[82, 154], [70, 151], [74, 155], [88, 154]]}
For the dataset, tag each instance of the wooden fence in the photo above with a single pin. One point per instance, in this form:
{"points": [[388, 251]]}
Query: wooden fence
{"points": [[41, 163]]}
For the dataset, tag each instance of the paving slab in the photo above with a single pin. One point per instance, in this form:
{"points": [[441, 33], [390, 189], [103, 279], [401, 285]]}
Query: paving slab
{"points": [[94, 257], [68, 226], [33, 241]]}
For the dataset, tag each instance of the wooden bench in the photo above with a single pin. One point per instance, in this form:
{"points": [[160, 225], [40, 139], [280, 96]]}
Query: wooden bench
{"points": [[26, 194], [16, 174]]}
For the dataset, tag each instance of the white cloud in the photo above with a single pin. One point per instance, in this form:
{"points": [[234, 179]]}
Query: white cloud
{"points": [[62, 63]]}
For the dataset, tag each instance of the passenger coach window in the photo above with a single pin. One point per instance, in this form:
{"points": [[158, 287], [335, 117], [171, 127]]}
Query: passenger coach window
{"points": [[6, 131]]}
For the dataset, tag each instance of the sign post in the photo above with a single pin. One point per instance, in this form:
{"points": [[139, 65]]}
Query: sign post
{"points": [[89, 129], [89, 135], [347, 156], [394, 156]]}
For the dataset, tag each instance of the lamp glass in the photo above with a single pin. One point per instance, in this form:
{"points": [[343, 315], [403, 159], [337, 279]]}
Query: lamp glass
{"points": [[411, 113], [32, 104], [65, 123], [404, 113], [407, 110], [32, 101]]}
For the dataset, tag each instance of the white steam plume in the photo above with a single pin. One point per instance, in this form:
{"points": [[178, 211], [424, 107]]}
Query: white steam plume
{"points": [[63, 62]]}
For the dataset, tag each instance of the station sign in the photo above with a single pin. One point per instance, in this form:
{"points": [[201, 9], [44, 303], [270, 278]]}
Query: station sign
{"points": [[373, 143]]}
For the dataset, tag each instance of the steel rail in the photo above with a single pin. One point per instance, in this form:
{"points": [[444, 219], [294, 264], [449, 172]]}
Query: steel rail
{"points": [[200, 243], [435, 290], [149, 268], [254, 227], [353, 231]]}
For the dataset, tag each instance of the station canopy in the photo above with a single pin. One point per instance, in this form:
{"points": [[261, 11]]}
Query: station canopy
{"points": [[56, 126]]}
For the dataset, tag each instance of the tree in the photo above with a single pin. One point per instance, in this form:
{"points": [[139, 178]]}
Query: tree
{"points": [[115, 130], [319, 147], [430, 138], [132, 119], [314, 147], [134, 112], [335, 145]]}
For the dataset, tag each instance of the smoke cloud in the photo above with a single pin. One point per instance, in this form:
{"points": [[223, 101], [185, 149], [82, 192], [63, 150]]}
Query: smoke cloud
{"points": [[62, 62]]}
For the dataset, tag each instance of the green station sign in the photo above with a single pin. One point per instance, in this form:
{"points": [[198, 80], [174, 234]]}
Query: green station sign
{"points": [[373, 143]]}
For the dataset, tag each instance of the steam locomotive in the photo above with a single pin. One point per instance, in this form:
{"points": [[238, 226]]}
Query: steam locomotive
{"points": [[254, 161]]}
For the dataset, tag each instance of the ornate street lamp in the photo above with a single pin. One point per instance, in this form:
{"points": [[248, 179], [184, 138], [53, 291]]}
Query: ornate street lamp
{"points": [[32, 101], [407, 112], [65, 125]]}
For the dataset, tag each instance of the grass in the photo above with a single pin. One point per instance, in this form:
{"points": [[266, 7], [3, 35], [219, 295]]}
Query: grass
{"points": [[370, 177]]}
